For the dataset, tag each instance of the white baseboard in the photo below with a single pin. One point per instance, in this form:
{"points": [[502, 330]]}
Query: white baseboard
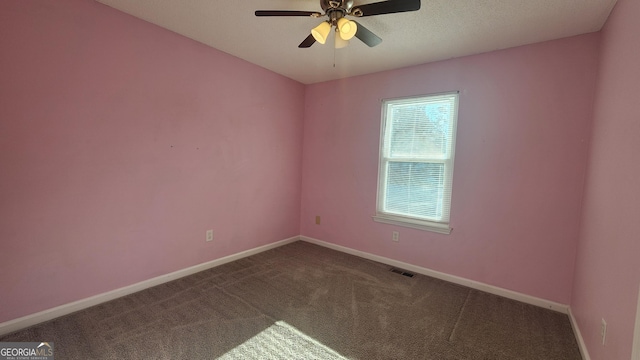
{"points": [[528, 299], [576, 330], [49, 314], [635, 355], [46, 315]]}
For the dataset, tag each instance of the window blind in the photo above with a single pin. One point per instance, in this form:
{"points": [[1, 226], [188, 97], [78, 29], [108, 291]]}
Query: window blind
{"points": [[416, 157]]}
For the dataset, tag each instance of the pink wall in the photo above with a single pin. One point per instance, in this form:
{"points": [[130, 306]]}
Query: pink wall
{"points": [[608, 263], [121, 143], [524, 122]]}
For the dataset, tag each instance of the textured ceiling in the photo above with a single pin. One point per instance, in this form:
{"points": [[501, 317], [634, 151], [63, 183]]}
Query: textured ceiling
{"points": [[441, 29]]}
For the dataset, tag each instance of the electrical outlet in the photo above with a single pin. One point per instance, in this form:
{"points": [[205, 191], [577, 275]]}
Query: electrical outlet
{"points": [[603, 331], [396, 236], [317, 219], [209, 235]]}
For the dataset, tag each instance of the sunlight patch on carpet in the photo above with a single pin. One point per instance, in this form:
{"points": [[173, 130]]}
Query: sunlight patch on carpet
{"points": [[281, 341]]}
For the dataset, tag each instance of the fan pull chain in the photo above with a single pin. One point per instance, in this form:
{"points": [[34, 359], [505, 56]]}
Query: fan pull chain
{"points": [[334, 56]]}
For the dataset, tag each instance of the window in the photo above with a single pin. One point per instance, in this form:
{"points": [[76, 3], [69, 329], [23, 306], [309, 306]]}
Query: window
{"points": [[416, 161]]}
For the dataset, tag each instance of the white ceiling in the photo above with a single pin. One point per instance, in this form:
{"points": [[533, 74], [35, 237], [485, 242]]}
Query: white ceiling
{"points": [[441, 29]]}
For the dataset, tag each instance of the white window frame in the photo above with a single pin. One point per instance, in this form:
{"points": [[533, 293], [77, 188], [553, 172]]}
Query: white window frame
{"points": [[442, 227]]}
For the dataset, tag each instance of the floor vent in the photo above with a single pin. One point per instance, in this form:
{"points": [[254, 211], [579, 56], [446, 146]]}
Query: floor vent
{"points": [[401, 272]]}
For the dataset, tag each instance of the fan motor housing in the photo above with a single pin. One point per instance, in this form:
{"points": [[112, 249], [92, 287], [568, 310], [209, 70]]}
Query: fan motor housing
{"points": [[327, 5]]}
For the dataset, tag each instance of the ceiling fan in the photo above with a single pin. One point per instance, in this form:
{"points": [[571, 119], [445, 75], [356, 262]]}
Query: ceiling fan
{"points": [[337, 11]]}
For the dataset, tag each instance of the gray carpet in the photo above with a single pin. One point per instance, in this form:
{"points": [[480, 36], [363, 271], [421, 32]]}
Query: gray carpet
{"points": [[302, 301]]}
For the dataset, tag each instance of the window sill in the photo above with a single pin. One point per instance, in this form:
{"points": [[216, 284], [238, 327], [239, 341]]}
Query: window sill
{"points": [[415, 224]]}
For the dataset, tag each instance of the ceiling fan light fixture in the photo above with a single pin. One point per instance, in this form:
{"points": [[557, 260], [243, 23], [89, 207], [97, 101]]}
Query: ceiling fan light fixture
{"points": [[347, 28], [337, 10], [321, 32], [339, 41]]}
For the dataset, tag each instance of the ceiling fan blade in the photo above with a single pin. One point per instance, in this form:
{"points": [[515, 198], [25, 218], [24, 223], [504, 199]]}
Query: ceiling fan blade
{"points": [[366, 36], [310, 40], [387, 7], [287, 13]]}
